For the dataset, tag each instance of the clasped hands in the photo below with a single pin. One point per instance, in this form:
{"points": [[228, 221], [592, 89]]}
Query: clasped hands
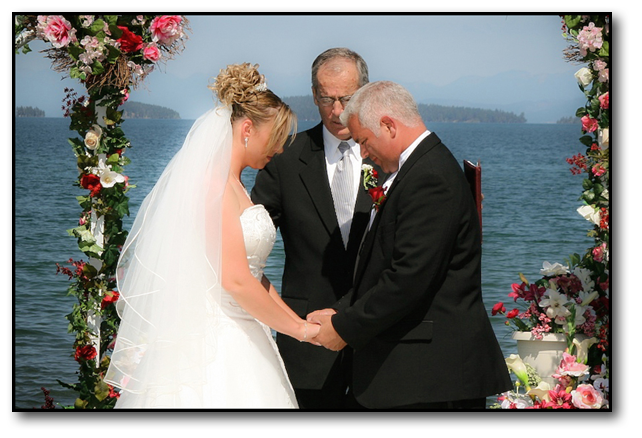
{"points": [[325, 336]]}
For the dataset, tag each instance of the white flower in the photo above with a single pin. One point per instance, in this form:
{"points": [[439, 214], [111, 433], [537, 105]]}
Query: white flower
{"points": [[554, 269], [585, 277], [582, 349], [589, 213], [92, 138], [586, 296], [108, 178], [554, 302], [516, 365], [520, 401], [541, 391], [584, 76], [603, 138]]}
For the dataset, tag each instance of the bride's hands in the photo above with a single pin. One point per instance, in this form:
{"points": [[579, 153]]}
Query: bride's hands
{"points": [[309, 331]]}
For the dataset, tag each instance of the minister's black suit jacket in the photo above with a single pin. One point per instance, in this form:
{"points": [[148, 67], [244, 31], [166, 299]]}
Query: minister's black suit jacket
{"points": [[415, 318], [318, 269]]}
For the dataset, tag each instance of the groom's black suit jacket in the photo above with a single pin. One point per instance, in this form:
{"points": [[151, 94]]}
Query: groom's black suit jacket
{"points": [[318, 269], [415, 318]]}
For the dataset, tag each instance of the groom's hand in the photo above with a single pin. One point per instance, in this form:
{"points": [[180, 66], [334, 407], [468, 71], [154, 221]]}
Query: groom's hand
{"points": [[327, 336]]}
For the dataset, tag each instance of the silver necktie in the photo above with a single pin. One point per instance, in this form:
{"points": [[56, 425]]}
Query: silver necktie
{"points": [[343, 192]]}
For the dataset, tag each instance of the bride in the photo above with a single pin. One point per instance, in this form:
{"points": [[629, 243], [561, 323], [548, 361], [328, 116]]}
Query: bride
{"points": [[195, 308]]}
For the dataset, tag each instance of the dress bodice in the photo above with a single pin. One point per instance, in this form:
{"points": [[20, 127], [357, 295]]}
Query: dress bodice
{"points": [[259, 235]]}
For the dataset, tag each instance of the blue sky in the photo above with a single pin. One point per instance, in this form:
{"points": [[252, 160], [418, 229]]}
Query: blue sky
{"points": [[426, 53]]}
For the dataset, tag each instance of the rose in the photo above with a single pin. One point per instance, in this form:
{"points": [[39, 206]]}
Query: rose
{"points": [[604, 100], [587, 397], [151, 52], [86, 352], [92, 138], [598, 252], [584, 76], [57, 30], [589, 124], [91, 182], [378, 195], [166, 29], [109, 298], [129, 41]]}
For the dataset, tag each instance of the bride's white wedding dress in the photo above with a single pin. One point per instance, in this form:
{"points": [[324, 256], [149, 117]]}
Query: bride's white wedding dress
{"points": [[247, 371]]}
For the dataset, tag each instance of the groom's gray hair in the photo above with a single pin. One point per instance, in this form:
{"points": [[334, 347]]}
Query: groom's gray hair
{"points": [[378, 99]]}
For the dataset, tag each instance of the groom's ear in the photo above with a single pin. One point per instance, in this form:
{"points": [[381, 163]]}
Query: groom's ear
{"points": [[388, 126]]}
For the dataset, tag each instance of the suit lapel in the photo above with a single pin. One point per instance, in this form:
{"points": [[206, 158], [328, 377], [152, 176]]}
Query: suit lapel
{"points": [[368, 241], [315, 179]]}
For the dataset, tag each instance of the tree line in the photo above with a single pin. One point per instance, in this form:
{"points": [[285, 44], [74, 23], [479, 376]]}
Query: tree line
{"points": [[138, 110], [29, 111], [305, 109]]}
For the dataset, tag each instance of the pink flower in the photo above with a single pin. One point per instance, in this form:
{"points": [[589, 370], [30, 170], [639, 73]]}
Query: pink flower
{"points": [[166, 29], [589, 124], [589, 39], [570, 367], [151, 52], [604, 100], [587, 397], [598, 252], [57, 30]]}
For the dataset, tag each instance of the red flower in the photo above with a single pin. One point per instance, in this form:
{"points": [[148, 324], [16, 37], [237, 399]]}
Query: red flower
{"points": [[109, 298], [91, 182], [378, 195], [86, 352], [129, 41], [512, 314], [498, 308]]}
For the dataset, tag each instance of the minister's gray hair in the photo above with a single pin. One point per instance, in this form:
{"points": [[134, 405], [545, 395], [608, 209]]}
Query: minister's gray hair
{"points": [[378, 99], [340, 52]]}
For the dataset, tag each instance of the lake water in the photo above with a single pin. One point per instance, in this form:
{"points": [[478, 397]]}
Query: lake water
{"points": [[529, 216]]}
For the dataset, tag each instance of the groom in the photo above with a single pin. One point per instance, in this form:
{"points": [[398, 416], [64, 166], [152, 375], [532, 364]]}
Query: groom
{"points": [[414, 321]]}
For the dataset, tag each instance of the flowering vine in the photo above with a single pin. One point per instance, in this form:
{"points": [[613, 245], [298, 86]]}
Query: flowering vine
{"points": [[574, 299], [109, 55]]}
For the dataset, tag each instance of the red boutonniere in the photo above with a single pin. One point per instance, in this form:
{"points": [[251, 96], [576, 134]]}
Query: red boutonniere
{"points": [[378, 195]]}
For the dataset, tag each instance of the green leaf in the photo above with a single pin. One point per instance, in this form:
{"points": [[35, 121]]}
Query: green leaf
{"points": [[80, 403], [604, 50], [97, 26], [587, 140], [111, 19], [101, 390], [97, 68], [572, 20]]}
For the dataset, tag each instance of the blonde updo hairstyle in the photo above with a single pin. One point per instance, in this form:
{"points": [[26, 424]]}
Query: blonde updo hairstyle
{"points": [[243, 88]]}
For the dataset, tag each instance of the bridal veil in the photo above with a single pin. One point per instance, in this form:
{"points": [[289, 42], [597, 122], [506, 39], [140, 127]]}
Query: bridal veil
{"points": [[169, 274]]}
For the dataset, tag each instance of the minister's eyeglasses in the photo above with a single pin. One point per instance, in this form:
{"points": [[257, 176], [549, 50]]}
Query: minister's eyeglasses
{"points": [[329, 101]]}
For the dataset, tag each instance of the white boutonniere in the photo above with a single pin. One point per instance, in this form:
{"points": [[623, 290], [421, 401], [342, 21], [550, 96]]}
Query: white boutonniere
{"points": [[369, 176]]}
